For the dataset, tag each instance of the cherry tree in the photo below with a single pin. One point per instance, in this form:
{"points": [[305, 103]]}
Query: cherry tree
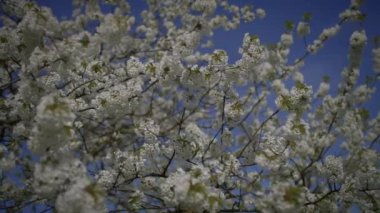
{"points": [[108, 112]]}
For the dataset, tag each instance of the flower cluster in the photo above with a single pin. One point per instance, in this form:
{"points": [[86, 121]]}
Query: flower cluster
{"points": [[252, 49], [332, 167], [129, 165], [303, 28], [376, 59], [297, 100], [326, 34], [190, 190], [54, 125]]}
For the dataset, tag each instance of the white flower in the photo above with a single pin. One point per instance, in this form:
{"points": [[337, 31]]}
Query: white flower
{"points": [[81, 197], [279, 87], [247, 13], [303, 28], [297, 100], [96, 68], [149, 129], [358, 38], [231, 165], [356, 3], [218, 58], [191, 190], [128, 163], [313, 48], [207, 5], [186, 43], [175, 187], [298, 77], [114, 27], [361, 94], [333, 167], [135, 199], [106, 178], [350, 14], [54, 127], [49, 178], [252, 51], [329, 32], [7, 159], [286, 39], [134, 67], [323, 89], [275, 145], [376, 59], [260, 13]]}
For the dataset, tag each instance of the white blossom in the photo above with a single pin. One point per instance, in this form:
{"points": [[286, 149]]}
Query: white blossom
{"points": [[358, 38], [54, 125], [329, 32], [260, 13], [134, 67], [376, 59], [286, 39], [303, 28], [323, 89], [332, 167], [80, 197]]}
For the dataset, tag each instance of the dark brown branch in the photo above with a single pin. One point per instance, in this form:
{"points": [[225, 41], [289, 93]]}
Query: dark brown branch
{"points": [[257, 131], [322, 198]]}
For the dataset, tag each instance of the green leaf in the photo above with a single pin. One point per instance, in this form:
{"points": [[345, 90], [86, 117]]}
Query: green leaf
{"points": [[95, 191], [364, 113], [151, 68], [103, 102], [214, 178], [3, 39], [361, 17], [196, 172], [292, 144], [197, 188], [270, 158], [67, 129], [289, 25], [307, 17], [237, 106], [218, 57], [166, 70], [301, 86], [57, 106], [326, 78], [376, 41], [85, 41], [29, 6], [97, 68], [272, 46], [254, 38], [212, 200], [207, 76], [195, 71], [285, 102], [92, 85], [292, 194], [83, 64], [299, 128]]}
